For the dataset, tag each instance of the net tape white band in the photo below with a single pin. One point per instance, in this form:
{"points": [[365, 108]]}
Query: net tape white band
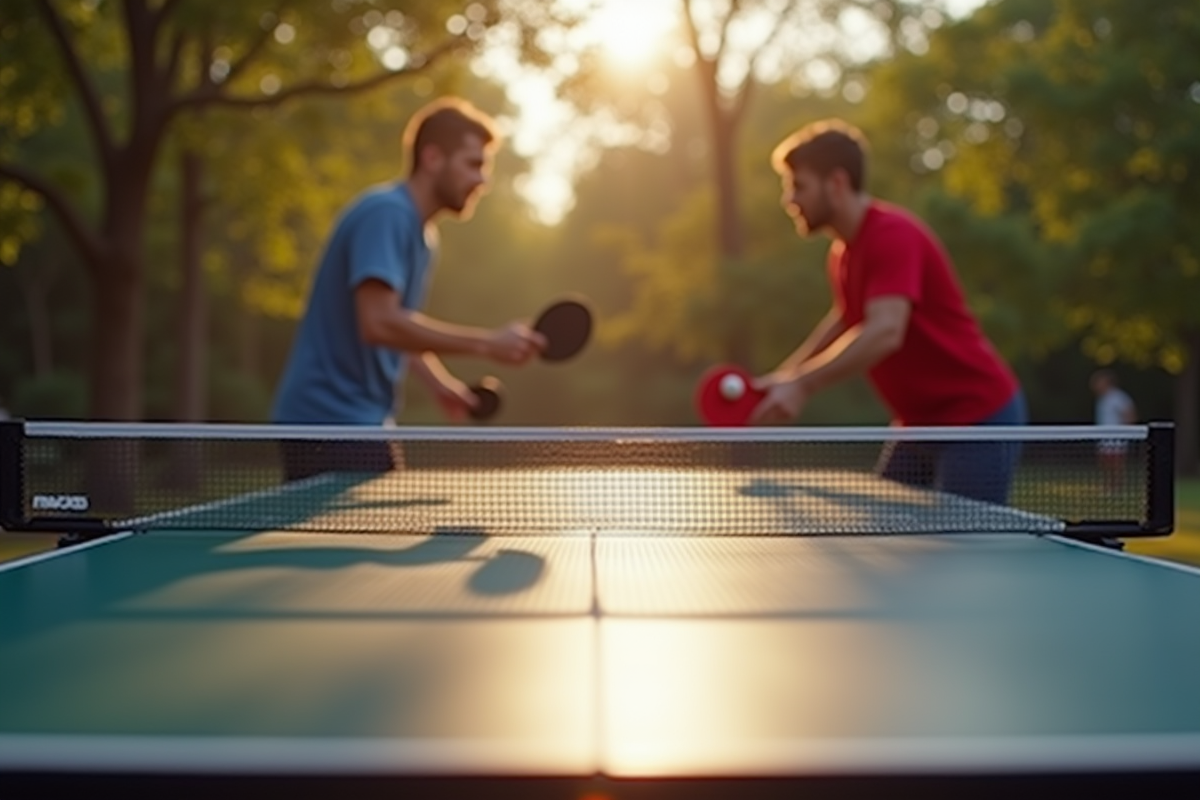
{"points": [[983, 433]]}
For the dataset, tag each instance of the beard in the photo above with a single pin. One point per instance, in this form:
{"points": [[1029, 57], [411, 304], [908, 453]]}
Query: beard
{"points": [[818, 215], [453, 198], [449, 196]]}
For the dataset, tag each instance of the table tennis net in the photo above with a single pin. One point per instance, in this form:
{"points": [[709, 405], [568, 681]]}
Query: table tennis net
{"points": [[672, 482]]}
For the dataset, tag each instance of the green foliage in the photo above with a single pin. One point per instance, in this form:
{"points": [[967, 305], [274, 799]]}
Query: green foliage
{"points": [[135, 73], [234, 396], [57, 395], [695, 307], [38, 125], [1066, 216], [32, 96], [1078, 121], [19, 220], [1009, 275], [1073, 124]]}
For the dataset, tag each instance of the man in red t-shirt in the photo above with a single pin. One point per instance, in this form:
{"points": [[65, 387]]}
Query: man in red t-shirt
{"points": [[898, 316]]}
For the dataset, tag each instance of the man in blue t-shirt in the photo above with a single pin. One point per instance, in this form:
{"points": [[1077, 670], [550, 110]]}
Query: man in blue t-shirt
{"points": [[363, 330]]}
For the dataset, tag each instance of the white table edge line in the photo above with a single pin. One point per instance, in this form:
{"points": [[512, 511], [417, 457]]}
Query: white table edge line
{"points": [[105, 538], [1110, 551]]}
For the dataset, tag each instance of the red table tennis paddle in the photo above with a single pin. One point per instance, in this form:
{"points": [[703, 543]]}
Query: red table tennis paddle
{"points": [[725, 396], [567, 326]]}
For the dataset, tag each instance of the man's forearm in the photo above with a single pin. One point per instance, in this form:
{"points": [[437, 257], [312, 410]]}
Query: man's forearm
{"points": [[827, 331], [418, 366], [854, 352], [415, 332], [429, 368]]}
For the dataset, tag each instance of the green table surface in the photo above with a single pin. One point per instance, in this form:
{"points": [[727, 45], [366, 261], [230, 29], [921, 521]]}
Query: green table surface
{"points": [[585, 653]]}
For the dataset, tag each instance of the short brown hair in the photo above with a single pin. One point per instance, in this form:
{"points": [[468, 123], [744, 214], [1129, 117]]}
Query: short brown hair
{"points": [[444, 123], [823, 147]]}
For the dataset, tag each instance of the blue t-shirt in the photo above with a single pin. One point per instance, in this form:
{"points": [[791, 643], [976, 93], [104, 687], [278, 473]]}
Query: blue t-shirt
{"points": [[332, 376]]}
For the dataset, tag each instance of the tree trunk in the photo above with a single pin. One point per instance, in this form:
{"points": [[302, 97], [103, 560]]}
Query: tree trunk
{"points": [[731, 240], [729, 220], [250, 340], [35, 279], [117, 327], [190, 394], [118, 338], [187, 465], [115, 383], [1187, 407], [118, 317]]}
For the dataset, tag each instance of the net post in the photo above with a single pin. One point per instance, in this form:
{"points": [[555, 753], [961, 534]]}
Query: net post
{"points": [[12, 491], [1160, 479]]}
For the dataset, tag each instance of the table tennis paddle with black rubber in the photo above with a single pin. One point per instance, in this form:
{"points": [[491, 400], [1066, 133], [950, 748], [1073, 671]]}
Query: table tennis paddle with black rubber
{"points": [[490, 393], [725, 396], [567, 326]]}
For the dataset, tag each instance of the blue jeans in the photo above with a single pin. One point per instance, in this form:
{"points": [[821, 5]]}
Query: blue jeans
{"points": [[979, 470]]}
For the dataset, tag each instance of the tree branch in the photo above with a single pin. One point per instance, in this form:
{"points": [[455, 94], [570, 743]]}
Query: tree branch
{"points": [[165, 11], [744, 91], [741, 100], [89, 246], [723, 38], [141, 28], [83, 84], [708, 67], [264, 36], [776, 32], [216, 96], [171, 70], [239, 66], [693, 32], [204, 62]]}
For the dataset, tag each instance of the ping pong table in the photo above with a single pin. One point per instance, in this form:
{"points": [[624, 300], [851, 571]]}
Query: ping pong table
{"points": [[592, 631]]}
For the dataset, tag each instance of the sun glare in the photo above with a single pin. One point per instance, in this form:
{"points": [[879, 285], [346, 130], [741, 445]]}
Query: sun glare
{"points": [[632, 32]]}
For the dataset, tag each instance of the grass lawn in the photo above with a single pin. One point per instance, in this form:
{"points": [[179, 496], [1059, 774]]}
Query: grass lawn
{"points": [[1184, 544], [16, 545]]}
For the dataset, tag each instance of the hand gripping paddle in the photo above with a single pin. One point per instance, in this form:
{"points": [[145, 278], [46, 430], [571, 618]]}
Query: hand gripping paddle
{"points": [[489, 392], [567, 326], [724, 396]]}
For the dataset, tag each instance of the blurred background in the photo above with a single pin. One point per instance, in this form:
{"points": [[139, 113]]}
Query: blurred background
{"points": [[169, 171]]}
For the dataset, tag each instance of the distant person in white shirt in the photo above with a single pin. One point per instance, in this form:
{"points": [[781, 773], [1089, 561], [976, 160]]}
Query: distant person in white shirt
{"points": [[1113, 407]]}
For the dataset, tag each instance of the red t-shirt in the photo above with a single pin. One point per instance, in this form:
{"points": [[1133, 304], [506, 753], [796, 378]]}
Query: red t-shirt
{"points": [[946, 372]]}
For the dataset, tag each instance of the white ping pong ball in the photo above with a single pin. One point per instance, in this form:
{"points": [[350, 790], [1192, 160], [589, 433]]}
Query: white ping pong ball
{"points": [[732, 387]]}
